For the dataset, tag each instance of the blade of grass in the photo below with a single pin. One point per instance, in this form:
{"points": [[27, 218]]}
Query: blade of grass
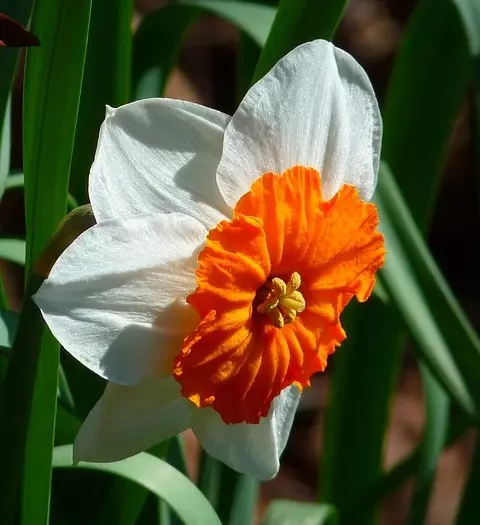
{"points": [[231, 494], [17, 181], [106, 80], [368, 363], [53, 80], [248, 53], [390, 481], [285, 512], [19, 10], [12, 250], [469, 508], [125, 500], [435, 433], [298, 21], [8, 327], [253, 18], [423, 102], [418, 118], [17, 393], [450, 346], [5, 148], [155, 475], [158, 40]]}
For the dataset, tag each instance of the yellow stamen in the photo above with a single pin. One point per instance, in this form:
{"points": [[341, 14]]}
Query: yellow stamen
{"points": [[283, 301]]}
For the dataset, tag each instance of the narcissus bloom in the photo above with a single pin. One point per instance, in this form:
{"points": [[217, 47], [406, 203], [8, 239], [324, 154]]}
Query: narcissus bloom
{"points": [[226, 249]]}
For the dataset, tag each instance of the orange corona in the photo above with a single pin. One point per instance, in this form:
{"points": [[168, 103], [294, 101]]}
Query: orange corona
{"points": [[271, 285]]}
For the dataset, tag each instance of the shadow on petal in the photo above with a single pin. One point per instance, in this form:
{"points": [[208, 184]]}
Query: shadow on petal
{"points": [[150, 350]]}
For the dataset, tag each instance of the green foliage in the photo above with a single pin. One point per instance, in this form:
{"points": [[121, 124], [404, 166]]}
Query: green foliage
{"points": [[12, 250], [106, 80], [53, 79], [158, 40], [91, 56], [298, 21], [5, 135], [158, 477], [284, 512], [19, 10]]}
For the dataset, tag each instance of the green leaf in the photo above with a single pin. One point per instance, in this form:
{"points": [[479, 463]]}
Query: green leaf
{"points": [[389, 482], [8, 327], [53, 78], [285, 512], [420, 109], [156, 44], [298, 21], [418, 290], [159, 38], [469, 508], [106, 80], [125, 500], [12, 250], [16, 405], [17, 181], [435, 433], [255, 19], [155, 475], [19, 10], [232, 495], [248, 53], [367, 362], [5, 148], [422, 102], [469, 11], [14, 181]]}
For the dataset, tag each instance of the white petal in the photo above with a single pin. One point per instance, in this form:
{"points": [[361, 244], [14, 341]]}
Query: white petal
{"points": [[159, 155], [115, 299], [129, 420], [315, 108], [251, 449]]}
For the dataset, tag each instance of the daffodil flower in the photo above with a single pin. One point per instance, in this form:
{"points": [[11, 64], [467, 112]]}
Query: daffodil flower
{"points": [[226, 248]]}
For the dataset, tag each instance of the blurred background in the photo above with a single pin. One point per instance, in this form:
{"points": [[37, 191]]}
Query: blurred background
{"points": [[371, 31]]}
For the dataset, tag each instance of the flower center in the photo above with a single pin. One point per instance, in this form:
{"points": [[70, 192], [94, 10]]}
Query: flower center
{"points": [[237, 360], [283, 301]]}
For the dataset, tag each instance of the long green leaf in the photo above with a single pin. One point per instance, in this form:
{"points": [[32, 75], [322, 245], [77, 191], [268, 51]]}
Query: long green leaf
{"points": [[421, 106], [422, 101], [8, 327], [367, 363], [5, 148], [298, 21], [469, 508], [231, 494], [390, 481], [17, 181], [248, 53], [155, 475], [285, 512], [15, 410], [253, 18], [160, 36], [12, 250], [416, 287], [19, 10], [435, 433], [53, 79], [106, 80]]}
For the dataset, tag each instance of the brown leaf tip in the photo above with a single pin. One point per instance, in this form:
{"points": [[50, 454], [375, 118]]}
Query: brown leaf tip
{"points": [[12, 34]]}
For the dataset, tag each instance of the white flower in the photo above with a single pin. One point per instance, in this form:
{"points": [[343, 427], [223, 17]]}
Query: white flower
{"points": [[265, 289]]}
